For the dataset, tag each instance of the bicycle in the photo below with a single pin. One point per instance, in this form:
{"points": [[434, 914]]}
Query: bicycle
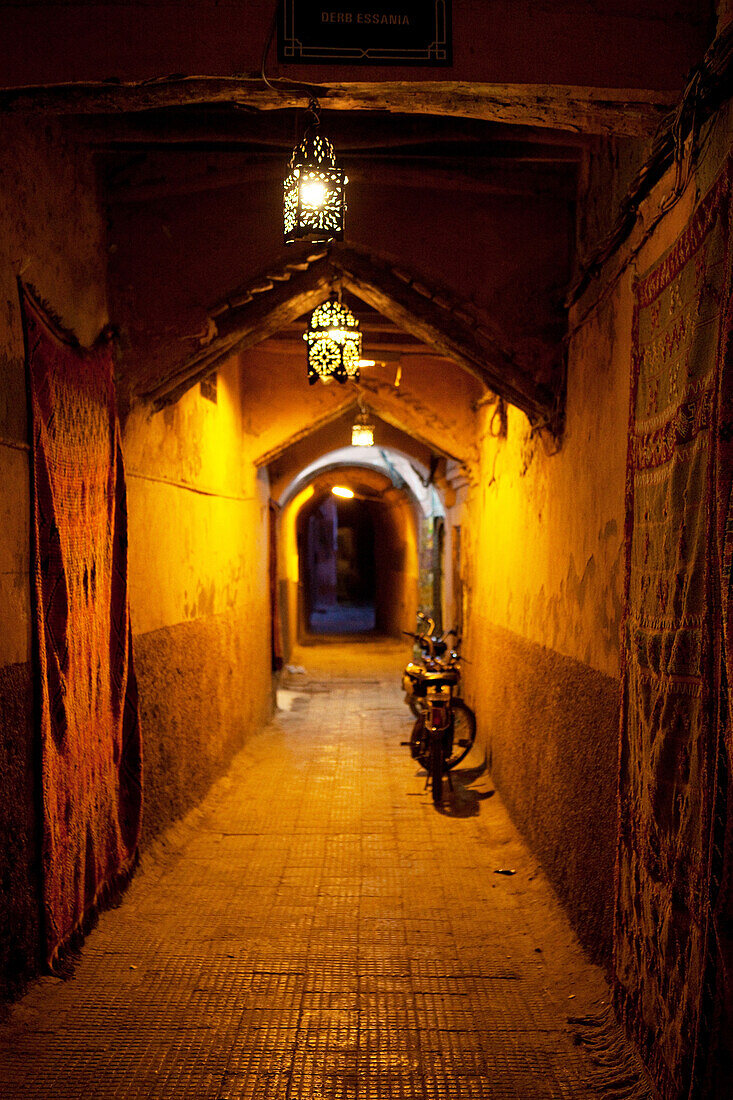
{"points": [[445, 726]]}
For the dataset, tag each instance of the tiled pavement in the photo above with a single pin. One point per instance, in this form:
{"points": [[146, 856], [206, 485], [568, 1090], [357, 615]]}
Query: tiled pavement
{"points": [[317, 930]]}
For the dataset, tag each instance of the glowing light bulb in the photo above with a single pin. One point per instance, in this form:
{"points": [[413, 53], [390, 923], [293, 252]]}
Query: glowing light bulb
{"points": [[313, 193], [362, 435], [342, 491]]}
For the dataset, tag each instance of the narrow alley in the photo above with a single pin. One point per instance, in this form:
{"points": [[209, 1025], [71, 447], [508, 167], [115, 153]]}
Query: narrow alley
{"points": [[315, 929], [321, 328]]}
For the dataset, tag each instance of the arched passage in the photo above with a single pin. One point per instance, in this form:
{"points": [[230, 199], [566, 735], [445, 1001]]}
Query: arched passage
{"points": [[147, 215], [348, 565]]}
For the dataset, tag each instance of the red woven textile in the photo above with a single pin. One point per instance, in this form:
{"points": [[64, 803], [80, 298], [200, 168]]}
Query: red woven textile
{"points": [[674, 827], [89, 729]]}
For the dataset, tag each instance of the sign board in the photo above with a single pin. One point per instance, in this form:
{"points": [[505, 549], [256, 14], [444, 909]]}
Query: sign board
{"points": [[341, 32]]}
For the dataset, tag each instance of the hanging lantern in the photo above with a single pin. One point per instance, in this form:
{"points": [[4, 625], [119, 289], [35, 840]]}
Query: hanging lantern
{"points": [[334, 343], [314, 191], [362, 431]]}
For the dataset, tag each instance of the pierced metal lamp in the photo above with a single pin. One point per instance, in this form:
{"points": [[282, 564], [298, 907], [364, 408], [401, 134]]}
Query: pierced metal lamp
{"points": [[334, 343], [362, 431], [314, 198]]}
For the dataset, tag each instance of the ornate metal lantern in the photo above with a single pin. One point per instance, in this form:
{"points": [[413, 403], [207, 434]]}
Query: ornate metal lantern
{"points": [[362, 432], [334, 343], [314, 192]]}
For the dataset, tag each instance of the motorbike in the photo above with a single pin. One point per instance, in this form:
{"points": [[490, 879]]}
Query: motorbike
{"points": [[445, 726]]}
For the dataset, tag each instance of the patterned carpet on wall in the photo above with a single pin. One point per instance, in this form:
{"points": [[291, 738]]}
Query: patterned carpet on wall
{"points": [[672, 835], [90, 748]]}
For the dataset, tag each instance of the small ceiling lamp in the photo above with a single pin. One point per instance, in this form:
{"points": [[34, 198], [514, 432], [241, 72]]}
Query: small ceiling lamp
{"points": [[314, 199], [342, 491], [334, 343], [362, 431]]}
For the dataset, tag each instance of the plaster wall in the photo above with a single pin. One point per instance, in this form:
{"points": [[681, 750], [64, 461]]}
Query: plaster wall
{"points": [[198, 549], [434, 404], [543, 536], [543, 539], [198, 592], [52, 233], [616, 43], [395, 528]]}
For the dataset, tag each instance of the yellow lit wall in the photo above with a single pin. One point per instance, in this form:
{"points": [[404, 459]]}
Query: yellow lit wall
{"points": [[199, 594], [543, 567], [288, 566], [52, 232]]}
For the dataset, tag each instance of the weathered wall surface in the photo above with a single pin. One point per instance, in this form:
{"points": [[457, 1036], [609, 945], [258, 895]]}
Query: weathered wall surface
{"points": [[551, 728], [198, 592], [543, 562], [52, 232], [395, 525], [198, 550], [544, 539], [545, 591], [544, 542]]}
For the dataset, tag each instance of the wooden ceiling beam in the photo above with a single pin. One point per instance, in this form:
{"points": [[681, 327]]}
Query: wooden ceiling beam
{"points": [[489, 177], [244, 326], [620, 111], [451, 331], [274, 302], [366, 131]]}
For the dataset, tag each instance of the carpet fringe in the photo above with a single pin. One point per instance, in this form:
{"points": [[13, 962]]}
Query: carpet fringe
{"points": [[621, 1073], [66, 954]]}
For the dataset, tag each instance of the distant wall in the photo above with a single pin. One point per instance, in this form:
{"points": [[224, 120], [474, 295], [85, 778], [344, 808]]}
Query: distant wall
{"points": [[395, 557], [51, 231], [198, 591], [395, 528]]}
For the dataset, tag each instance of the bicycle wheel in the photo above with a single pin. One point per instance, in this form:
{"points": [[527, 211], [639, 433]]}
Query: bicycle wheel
{"points": [[436, 769], [464, 732]]}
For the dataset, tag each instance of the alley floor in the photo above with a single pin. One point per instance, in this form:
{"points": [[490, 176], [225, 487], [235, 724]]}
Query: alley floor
{"points": [[316, 930]]}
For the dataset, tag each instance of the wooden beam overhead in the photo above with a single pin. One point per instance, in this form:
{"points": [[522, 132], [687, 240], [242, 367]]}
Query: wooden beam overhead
{"points": [[630, 112], [483, 177], [274, 302], [264, 313], [451, 330], [377, 132]]}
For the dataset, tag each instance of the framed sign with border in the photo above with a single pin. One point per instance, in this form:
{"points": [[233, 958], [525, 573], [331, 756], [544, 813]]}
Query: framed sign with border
{"points": [[344, 32]]}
